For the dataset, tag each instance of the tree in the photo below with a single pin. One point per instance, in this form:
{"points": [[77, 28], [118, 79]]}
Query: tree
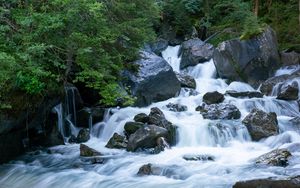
{"points": [[256, 7]]}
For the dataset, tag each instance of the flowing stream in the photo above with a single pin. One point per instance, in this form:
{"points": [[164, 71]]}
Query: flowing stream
{"points": [[227, 141]]}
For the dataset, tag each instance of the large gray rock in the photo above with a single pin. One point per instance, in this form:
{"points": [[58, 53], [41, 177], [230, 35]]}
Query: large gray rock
{"points": [[154, 81], [277, 157], [86, 151], [117, 141], [83, 135], [261, 124], [146, 137], [252, 61], [157, 117], [130, 127], [290, 58], [195, 51], [186, 80], [142, 117], [278, 81], [293, 182], [244, 94], [219, 111], [289, 92], [213, 97]]}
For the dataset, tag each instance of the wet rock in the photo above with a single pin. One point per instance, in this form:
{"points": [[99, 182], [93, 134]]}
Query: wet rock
{"points": [[186, 80], [195, 51], [188, 92], [289, 92], [146, 137], [83, 135], [293, 182], [157, 117], [72, 139], [158, 46], [117, 141], [213, 97], [148, 169], [198, 157], [174, 171], [176, 107], [290, 58], [278, 81], [132, 127], [245, 94], [219, 111], [142, 117], [154, 80], [86, 151], [161, 144], [93, 160], [253, 60], [261, 124], [277, 157]]}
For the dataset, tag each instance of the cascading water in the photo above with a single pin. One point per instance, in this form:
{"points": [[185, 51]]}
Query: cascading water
{"points": [[227, 141]]}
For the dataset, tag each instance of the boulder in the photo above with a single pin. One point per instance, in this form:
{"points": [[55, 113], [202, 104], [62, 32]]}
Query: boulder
{"points": [[142, 117], [278, 81], [219, 111], [157, 117], [289, 92], [117, 141], [290, 58], [173, 171], [244, 94], [213, 97], [252, 61], [198, 157], [86, 151], [130, 127], [186, 80], [83, 135], [146, 137], [158, 46], [277, 157], [293, 182], [176, 107], [161, 144], [195, 51], [261, 124], [154, 81]]}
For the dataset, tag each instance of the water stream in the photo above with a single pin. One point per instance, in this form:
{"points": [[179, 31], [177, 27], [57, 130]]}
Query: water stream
{"points": [[227, 141]]}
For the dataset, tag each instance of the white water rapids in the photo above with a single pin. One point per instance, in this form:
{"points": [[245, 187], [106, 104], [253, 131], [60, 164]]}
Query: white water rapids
{"points": [[230, 145]]}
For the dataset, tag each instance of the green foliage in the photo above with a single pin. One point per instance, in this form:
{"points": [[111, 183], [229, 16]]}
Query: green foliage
{"points": [[251, 28], [44, 44]]}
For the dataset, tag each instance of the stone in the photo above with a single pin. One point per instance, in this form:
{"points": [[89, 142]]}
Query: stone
{"points": [[154, 80], [244, 94], [132, 127], [117, 141], [142, 117], [83, 135], [186, 80], [157, 117], [176, 107], [198, 157], [277, 157], [195, 51], [252, 61], [290, 58], [146, 137], [289, 92], [86, 151], [293, 182], [278, 81], [213, 97], [261, 124], [219, 111]]}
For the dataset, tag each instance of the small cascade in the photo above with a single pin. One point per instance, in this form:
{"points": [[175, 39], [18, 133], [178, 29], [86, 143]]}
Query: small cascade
{"points": [[70, 103], [171, 55], [60, 120], [287, 70]]}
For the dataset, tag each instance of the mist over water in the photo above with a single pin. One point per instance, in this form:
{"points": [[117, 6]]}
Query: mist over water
{"points": [[228, 141]]}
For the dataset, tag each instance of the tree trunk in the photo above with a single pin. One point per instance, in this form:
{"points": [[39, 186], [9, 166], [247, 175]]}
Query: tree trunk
{"points": [[256, 6], [299, 14]]}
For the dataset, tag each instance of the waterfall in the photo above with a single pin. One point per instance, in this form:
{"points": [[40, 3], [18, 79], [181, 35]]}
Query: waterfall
{"points": [[224, 148]]}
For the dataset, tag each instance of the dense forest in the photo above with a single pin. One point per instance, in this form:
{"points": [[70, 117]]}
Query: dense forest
{"points": [[45, 44]]}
